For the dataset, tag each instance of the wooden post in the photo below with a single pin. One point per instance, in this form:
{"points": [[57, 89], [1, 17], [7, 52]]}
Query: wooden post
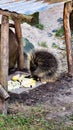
{"points": [[67, 11], [20, 42], [4, 55]]}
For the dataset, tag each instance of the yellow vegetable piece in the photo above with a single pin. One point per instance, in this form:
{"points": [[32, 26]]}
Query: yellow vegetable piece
{"points": [[15, 78], [28, 82]]}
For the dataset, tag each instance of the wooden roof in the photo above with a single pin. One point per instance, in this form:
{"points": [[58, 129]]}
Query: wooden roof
{"points": [[27, 7]]}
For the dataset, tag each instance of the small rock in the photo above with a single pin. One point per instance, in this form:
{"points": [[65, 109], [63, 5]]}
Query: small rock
{"points": [[54, 45], [64, 108], [64, 42], [62, 47], [50, 34], [54, 30], [60, 20], [71, 90]]}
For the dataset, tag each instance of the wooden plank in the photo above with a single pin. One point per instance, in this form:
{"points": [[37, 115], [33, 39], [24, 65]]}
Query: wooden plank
{"points": [[67, 10]]}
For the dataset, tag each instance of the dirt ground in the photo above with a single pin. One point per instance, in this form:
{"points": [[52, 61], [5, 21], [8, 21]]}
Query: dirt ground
{"points": [[56, 99]]}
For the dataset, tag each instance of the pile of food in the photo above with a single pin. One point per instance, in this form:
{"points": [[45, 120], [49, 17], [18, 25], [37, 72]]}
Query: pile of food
{"points": [[19, 81]]}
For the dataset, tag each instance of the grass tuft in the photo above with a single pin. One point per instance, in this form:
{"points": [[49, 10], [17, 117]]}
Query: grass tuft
{"points": [[43, 44], [40, 26], [36, 120], [60, 32]]}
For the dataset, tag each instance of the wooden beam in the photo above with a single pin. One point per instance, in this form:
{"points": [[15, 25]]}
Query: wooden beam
{"points": [[66, 14], [20, 42], [14, 14]]}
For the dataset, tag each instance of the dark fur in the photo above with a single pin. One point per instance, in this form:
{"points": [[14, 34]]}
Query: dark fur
{"points": [[43, 64]]}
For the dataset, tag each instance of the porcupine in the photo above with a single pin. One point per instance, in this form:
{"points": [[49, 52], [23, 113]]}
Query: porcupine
{"points": [[44, 66]]}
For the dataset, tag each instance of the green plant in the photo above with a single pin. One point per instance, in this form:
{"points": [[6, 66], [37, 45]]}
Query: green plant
{"points": [[43, 44], [54, 45], [60, 32], [70, 117], [69, 128], [40, 26]]}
